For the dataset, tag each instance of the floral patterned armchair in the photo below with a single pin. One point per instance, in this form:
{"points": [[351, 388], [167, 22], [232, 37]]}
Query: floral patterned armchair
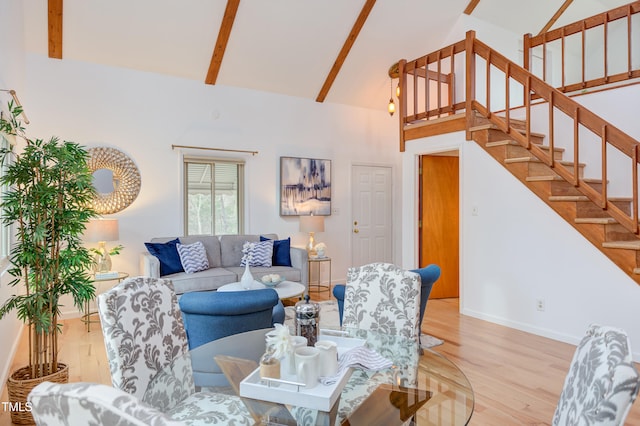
{"points": [[384, 298], [602, 382], [91, 404], [149, 356]]}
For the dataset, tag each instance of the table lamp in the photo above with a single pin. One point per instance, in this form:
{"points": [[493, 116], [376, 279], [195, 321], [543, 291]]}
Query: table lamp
{"points": [[311, 224], [101, 230]]}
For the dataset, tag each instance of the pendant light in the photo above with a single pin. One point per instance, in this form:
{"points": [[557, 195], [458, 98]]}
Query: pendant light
{"points": [[392, 106]]}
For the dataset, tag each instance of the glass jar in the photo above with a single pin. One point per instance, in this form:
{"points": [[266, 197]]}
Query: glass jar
{"points": [[308, 320]]}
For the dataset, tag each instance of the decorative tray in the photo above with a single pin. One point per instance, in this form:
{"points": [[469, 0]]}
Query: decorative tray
{"points": [[287, 390]]}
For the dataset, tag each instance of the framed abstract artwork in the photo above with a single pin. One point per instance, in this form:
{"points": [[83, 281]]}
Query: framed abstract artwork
{"points": [[305, 186]]}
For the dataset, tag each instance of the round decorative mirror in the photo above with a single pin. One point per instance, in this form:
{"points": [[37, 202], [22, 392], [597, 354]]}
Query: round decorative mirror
{"points": [[115, 177]]}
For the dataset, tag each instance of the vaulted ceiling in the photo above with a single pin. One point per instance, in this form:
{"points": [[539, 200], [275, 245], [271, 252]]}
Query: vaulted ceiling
{"points": [[328, 50]]}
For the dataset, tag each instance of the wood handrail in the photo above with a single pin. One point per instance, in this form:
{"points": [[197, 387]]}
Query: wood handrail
{"points": [[534, 88]]}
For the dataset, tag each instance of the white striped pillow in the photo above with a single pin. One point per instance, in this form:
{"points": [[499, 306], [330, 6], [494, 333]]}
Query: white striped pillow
{"points": [[258, 254], [193, 257]]}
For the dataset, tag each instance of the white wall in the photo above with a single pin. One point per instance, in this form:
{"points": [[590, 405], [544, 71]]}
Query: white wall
{"points": [[144, 114], [11, 77]]}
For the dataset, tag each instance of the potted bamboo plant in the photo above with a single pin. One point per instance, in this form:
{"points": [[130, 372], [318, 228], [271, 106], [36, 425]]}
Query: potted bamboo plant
{"points": [[47, 202]]}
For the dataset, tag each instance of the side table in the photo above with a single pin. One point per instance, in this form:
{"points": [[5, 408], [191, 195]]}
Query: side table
{"points": [[319, 261], [86, 318]]}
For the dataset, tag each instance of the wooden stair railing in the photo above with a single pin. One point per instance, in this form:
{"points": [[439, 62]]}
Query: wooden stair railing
{"points": [[601, 32], [519, 91]]}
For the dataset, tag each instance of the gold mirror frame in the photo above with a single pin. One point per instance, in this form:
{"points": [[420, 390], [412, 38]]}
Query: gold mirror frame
{"points": [[126, 179]]}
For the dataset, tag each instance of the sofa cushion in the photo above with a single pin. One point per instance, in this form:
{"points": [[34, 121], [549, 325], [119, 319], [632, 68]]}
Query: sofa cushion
{"points": [[257, 254], [281, 251], [231, 247], [193, 257], [211, 245], [167, 254], [209, 279]]}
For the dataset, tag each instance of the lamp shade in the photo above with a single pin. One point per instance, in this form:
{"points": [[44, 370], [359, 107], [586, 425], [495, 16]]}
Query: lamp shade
{"points": [[101, 230], [312, 223]]}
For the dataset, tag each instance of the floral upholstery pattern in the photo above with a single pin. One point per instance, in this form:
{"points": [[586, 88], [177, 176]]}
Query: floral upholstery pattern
{"points": [[91, 404], [384, 298], [602, 382], [149, 357]]}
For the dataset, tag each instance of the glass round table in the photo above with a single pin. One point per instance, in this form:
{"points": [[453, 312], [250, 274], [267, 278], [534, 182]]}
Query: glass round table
{"points": [[422, 385]]}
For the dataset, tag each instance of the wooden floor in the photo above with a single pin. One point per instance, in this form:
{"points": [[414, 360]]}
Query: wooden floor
{"points": [[516, 377]]}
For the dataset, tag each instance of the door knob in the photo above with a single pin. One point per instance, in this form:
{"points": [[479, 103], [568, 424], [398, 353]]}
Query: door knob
{"points": [[355, 231]]}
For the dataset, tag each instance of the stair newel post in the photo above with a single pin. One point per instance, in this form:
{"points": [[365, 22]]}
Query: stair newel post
{"points": [[526, 51], [402, 101], [470, 80], [604, 167]]}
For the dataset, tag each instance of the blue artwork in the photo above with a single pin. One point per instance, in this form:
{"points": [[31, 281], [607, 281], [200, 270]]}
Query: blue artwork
{"points": [[305, 186]]}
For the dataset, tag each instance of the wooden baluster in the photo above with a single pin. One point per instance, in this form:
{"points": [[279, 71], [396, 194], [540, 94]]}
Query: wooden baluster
{"points": [[629, 73], [414, 72], [527, 103], [552, 160], [576, 131], [562, 59], [452, 85], [439, 68], [583, 54], [606, 47], [544, 57], [507, 102], [426, 87], [488, 90], [604, 201], [634, 158]]}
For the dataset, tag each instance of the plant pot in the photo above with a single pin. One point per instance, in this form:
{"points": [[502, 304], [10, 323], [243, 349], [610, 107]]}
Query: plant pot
{"points": [[19, 385]]}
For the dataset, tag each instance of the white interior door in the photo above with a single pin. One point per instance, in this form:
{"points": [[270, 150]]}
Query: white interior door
{"points": [[371, 222]]}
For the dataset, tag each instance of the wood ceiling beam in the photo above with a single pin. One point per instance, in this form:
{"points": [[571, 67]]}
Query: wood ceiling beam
{"points": [[472, 5], [55, 29], [221, 43], [342, 56], [556, 16]]}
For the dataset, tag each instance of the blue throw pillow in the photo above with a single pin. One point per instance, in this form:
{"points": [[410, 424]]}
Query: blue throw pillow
{"points": [[167, 254], [281, 251]]}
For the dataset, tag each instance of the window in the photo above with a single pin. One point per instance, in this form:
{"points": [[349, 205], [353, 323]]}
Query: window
{"points": [[213, 196]]}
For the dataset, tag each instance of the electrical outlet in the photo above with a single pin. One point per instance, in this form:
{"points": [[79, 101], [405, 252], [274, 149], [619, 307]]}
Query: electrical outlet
{"points": [[540, 305]]}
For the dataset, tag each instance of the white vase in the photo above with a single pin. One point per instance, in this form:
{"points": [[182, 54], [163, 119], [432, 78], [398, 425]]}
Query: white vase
{"points": [[246, 282]]}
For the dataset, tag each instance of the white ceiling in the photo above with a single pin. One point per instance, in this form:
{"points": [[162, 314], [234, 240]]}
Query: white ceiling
{"points": [[281, 46]]}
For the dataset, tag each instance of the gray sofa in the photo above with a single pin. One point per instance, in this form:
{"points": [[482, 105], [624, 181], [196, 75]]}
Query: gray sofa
{"points": [[224, 253]]}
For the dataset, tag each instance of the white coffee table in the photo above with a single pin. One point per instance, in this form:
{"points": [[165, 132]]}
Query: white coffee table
{"points": [[285, 290]]}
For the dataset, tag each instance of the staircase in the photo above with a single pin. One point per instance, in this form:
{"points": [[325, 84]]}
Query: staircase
{"points": [[593, 222]]}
